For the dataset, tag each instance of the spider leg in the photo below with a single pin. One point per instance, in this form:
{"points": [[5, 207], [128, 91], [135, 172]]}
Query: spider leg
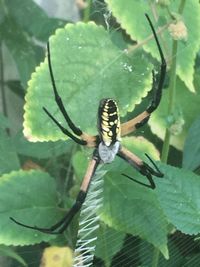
{"points": [[58, 99], [149, 177], [143, 118], [85, 139], [64, 130], [61, 225], [141, 166]]}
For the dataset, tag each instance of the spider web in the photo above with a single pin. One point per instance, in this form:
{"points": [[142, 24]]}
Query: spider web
{"points": [[89, 223]]}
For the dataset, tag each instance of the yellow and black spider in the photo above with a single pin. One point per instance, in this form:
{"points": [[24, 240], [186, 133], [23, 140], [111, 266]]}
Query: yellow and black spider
{"points": [[107, 143]]}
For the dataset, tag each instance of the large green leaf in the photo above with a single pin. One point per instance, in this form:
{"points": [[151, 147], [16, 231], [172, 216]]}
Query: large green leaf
{"points": [[127, 206], [191, 153], [40, 150], [133, 209], [178, 195], [31, 198], [8, 157], [131, 18], [87, 67]]}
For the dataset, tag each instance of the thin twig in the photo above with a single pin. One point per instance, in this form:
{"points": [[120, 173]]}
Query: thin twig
{"points": [[150, 37], [3, 95]]}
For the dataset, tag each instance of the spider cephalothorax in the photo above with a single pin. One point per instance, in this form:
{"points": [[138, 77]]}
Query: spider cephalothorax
{"points": [[107, 144]]}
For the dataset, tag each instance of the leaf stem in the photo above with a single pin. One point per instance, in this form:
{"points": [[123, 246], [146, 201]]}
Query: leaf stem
{"points": [[172, 92], [171, 101], [181, 7], [150, 37], [86, 12], [3, 95], [155, 258]]}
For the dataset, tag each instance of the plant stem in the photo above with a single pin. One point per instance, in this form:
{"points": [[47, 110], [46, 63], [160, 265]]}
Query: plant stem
{"points": [[3, 95], [181, 7], [150, 37], [155, 258], [172, 91], [86, 12], [172, 96]]}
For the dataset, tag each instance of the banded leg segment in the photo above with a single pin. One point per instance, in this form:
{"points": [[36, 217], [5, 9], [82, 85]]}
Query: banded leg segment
{"points": [[143, 118], [141, 167], [61, 225]]}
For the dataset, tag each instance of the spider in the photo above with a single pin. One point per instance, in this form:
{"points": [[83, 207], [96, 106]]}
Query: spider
{"points": [[107, 143]]}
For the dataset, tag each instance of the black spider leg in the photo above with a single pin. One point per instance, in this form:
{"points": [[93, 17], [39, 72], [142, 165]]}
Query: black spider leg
{"points": [[157, 97], [61, 225], [59, 102], [64, 222], [159, 173], [143, 168], [145, 120]]}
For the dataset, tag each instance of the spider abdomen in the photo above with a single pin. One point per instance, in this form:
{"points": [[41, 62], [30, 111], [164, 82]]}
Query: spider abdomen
{"points": [[107, 153], [108, 121]]}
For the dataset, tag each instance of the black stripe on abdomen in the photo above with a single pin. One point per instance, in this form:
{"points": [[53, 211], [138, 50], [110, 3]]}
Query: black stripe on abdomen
{"points": [[108, 121]]}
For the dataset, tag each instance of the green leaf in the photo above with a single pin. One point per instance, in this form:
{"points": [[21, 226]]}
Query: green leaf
{"points": [[191, 153], [109, 242], [136, 25], [186, 110], [178, 194], [9, 252], [22, 49], [87, 67], [132, 18], [31, 198], [129, 207], [40, 150], [8, 157], [134, 22], [187, 52], [135, 210], [33, 19]]}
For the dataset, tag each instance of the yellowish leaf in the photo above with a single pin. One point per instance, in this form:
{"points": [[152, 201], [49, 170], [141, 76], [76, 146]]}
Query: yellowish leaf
{"points": [[57, 257]]}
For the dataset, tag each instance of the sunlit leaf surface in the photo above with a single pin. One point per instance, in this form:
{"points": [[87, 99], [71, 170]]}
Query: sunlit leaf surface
{"points": [[87, 67]]}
